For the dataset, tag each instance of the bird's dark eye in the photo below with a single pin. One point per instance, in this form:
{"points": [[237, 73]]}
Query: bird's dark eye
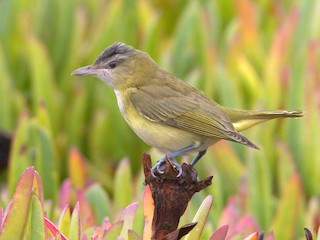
{"points": [[112, 64]]}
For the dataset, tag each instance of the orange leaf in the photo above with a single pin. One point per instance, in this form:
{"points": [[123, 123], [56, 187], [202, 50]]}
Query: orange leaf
{"points": [[148, 210]]}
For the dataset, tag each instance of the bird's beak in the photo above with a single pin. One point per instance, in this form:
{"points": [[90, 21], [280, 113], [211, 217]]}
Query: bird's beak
{"points": [[87, 70]]}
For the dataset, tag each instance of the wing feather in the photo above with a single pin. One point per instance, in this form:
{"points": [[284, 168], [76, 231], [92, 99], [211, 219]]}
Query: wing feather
{"points": [[191, 112]]}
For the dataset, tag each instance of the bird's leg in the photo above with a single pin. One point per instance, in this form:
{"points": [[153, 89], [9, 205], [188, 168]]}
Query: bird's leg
{"points": [[170, 157], [197, 158]]}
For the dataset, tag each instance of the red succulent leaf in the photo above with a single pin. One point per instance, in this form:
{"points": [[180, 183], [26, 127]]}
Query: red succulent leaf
{"points": [[221, 233], [54, 229]]}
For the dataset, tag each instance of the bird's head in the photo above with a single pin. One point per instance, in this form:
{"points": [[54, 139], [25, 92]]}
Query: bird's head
{"points": [[120, 66]]}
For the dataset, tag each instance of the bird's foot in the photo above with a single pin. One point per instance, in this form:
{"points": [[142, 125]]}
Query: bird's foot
{"points": [[161, 165]]}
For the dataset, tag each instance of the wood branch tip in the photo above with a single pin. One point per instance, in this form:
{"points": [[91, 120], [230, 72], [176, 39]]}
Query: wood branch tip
{"points": [[147, 165]]}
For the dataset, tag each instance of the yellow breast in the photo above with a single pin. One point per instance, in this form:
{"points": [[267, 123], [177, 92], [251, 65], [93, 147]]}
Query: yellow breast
{"points": [[159, 135]]}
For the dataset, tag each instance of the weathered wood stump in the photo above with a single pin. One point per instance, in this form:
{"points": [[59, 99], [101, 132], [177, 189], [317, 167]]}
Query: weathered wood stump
{"points": [[171, 196]]}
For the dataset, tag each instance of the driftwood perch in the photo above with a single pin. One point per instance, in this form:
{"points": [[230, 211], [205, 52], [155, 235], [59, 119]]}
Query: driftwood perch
{"points": [[171, 196]]}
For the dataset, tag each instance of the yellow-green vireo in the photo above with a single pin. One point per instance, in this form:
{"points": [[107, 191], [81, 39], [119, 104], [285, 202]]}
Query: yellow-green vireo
{"points": [[166, 112]]}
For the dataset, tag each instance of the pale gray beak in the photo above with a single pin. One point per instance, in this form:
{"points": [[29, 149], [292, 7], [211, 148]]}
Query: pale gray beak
{"points": [[87, 70]]}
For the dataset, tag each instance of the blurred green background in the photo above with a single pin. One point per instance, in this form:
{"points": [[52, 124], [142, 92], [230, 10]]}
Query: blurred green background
{"points": [[244, 54]]}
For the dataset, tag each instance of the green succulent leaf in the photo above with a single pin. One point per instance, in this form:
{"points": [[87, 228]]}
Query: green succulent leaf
{"points": [[16, 217], [128, 218], [201, 218], [114, 231], [122, 185], [64, 221], [75, 228]]}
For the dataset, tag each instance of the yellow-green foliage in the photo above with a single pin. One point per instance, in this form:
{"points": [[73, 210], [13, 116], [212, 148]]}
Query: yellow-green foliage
{"points": [[244, 54]]}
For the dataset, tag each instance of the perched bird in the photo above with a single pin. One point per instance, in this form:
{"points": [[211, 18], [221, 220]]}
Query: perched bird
{"points": [[166, 112]]}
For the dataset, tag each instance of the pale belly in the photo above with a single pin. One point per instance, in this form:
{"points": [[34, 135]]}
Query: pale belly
{"points": [[165, 138]]}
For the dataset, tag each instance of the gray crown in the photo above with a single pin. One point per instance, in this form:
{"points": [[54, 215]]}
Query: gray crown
{"points": [[114, 49]]}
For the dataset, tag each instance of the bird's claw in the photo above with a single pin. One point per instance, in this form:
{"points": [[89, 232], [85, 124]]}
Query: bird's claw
{"points": [[161, 164], [157, 167], [179, 169]]}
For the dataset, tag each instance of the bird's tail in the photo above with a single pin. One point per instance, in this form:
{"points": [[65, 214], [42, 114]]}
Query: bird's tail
{"points": [[243, 119]]}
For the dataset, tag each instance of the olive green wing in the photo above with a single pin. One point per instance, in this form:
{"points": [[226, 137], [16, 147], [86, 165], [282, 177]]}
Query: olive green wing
{"points": [[191, 112]]}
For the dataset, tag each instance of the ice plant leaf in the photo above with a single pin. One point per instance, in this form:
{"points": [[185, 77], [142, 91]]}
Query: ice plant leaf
{"points": [[253, 236], [86, 214], [148, 210], [35, 227], [76, 168], [37, 187], [16, 214], [200, 218], [20, 152], [45, 159], [74, 233], [99, 201], [54, 230], [100, 231], [6, 89], [284, 224], [114, 231], [246, 225], [132, 235], [122, 184], [42, 90], [230, 213], [64, 221], [65, 193], [270, 236], [220, 234], [127, 218]]}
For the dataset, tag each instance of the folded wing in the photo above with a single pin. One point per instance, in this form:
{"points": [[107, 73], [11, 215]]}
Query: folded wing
{"points": [[190, 112]]}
